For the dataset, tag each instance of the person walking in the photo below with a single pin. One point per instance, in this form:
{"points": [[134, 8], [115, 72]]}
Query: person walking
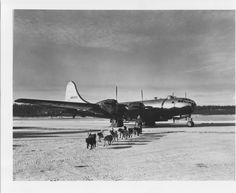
{"points": [[139, 124]]}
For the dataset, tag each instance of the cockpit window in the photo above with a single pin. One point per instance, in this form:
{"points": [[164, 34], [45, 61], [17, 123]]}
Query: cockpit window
{"points": [[170, 97]]}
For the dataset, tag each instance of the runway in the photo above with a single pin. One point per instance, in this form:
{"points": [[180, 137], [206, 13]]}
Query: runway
{"points": [[55, 149]]}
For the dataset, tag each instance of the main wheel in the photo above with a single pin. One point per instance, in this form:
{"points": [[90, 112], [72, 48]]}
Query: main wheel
{"points": [[190, 123], [117, 123]]}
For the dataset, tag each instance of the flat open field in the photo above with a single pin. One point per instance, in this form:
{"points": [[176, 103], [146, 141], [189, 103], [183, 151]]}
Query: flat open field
{"points": [[55, 149]]}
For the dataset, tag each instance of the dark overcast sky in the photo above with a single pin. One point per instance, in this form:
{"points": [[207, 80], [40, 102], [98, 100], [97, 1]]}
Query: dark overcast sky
{"points": [[158, 51]]}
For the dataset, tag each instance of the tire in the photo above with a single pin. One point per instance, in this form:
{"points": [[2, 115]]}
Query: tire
{"points": [[190, 123], [117, 123]]}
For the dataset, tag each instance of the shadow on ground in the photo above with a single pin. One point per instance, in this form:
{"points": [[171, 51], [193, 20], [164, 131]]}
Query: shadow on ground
{"points": [[129, 143], [32, 134], [120, 147], [172, 125], [82, 166], [143, 139]]}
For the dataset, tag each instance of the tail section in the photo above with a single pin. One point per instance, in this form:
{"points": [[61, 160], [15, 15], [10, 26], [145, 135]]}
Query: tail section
{"points": [[72, 94]]}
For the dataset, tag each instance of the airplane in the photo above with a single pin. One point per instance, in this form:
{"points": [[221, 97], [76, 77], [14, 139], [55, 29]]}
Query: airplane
{"points": [[149, 111]]}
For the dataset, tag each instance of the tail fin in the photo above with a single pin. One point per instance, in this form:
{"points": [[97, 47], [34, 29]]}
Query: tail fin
{"points": [[72, 94]]}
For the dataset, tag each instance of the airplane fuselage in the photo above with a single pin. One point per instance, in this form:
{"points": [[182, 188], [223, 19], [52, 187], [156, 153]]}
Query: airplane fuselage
{"points": [[161, 109]]}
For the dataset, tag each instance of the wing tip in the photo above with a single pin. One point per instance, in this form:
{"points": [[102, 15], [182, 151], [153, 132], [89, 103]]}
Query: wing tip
{"points": [[19, 100], [23, 100]]}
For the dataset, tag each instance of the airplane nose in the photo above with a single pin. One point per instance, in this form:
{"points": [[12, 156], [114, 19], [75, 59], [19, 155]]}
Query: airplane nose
{"points": [[191, 104]]}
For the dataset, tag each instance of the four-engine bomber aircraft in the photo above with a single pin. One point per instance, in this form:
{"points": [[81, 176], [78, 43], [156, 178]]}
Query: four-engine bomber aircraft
{"points": [[149, 110]]}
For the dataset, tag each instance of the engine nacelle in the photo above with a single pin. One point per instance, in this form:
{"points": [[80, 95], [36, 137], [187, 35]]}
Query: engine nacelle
{"points": [[112, 107], [134, 109], [108, 105], [135, 106]]}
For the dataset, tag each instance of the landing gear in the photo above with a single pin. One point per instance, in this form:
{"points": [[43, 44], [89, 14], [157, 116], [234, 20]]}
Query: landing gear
{"points": [[190, 122], [117, 122], [149, 123]]}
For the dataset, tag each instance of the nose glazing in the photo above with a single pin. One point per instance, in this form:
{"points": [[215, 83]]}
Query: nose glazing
{"points": [[193, 104]]}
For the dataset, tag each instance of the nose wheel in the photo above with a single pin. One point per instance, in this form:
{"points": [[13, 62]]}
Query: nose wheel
{"points": [[190, 122]]}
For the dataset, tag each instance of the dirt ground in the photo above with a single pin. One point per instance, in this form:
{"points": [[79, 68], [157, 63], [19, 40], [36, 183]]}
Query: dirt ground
{"points": [[56, 150]]}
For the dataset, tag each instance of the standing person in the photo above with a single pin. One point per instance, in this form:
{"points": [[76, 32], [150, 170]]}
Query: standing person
{"points": [[139, 124]]}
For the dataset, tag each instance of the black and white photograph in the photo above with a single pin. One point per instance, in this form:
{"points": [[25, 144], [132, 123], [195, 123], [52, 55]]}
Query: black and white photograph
{"points": [[128, 95], [123, 95]]}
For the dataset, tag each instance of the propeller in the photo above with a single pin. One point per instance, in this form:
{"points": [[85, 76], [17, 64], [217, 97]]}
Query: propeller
{"points": [[142, 95], [116, 93]]}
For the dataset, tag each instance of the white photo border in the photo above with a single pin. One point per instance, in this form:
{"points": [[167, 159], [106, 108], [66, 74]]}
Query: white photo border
{"points": [[7, 183]]}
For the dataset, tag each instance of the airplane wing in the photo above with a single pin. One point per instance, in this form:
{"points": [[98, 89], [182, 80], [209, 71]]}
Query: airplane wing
{"points": [[61, 104], [73, 100]]}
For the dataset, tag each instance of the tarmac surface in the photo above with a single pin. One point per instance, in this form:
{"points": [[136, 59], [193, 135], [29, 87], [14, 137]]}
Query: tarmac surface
{"points": [[55, 149]]}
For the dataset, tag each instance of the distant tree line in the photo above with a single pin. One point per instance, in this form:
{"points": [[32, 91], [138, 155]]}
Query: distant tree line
{"points": [[215, 110], [23, 110]]}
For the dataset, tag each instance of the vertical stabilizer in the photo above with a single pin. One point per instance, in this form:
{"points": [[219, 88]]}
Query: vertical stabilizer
{"points": [[72, 94]]}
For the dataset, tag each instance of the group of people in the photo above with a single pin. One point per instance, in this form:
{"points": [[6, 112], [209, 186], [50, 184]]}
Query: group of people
{"points": [[114, 135]]}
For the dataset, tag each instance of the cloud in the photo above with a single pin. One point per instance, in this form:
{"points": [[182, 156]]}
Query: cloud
{"points": [[120, 30], [81, 33]]}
